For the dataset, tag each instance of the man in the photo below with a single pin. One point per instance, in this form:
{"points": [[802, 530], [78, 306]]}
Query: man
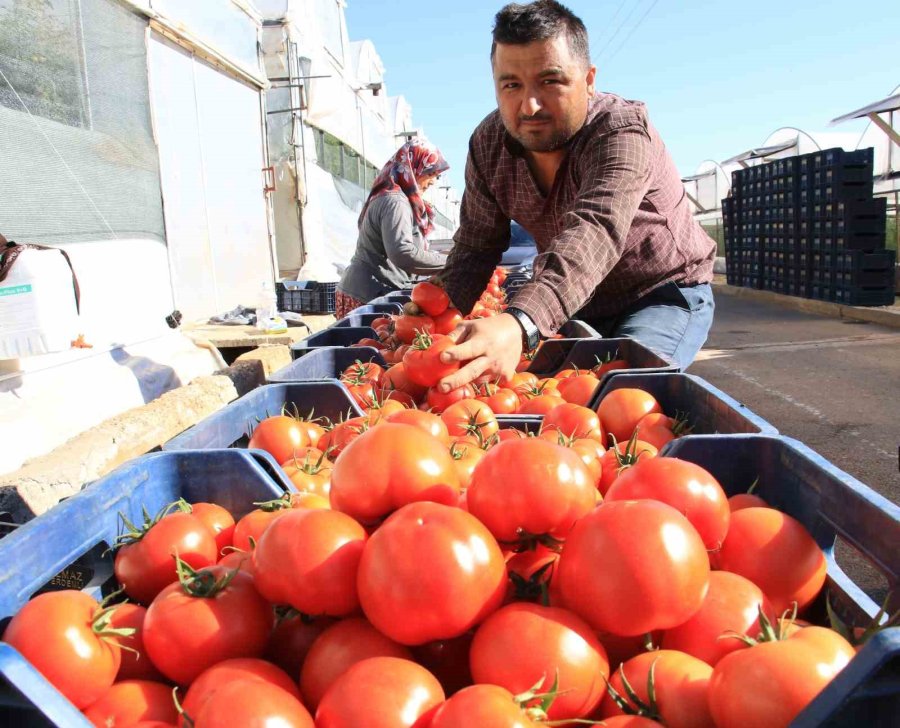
{"points": [[588, 176]]}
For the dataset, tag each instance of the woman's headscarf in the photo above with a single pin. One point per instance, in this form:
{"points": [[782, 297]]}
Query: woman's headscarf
{"points": [[417, 158]]}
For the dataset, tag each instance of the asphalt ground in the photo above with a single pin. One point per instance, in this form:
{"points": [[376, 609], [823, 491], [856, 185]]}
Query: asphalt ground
{"points": [[833, 384]]}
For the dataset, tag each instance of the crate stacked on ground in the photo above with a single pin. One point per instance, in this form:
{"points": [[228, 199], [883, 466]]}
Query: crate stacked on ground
{"points": [[809, 226], [306, 296]]}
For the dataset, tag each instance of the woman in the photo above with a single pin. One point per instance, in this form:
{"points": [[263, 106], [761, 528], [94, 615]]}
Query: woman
{"points": [[393, 227]]}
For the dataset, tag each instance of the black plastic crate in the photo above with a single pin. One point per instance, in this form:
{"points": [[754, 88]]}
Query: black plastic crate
{"points": [[865, 295], [306, 296], [838, 242], [821, 291], [841, 190], [513, 282]]}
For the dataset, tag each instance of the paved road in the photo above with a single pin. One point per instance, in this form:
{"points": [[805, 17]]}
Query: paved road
{"points": [[833, 384]]}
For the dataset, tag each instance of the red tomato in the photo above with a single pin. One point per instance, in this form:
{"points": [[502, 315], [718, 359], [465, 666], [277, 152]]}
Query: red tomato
{"points": [[242, 560], [190, 627], [760, 542], [618, 459], [439, 401], [482, 705], [380, 692], [130, 701], [309, 559], [251, 527], [521, 644], [381, 409], [448, 661], [575, 422], [248, 669], [540, 405], [645, 553], [591, 453], [251, 703], [445, 322], [279, 435], [731, 606], [767, 686], [608, 366], [687, 487], [445, 571], [406, 327], [427, 421], [502, 401], [531, 573], [470, 417], [361, 371], [397, 378], [146, 566], [311, 474], [389, 466], [432, 299], [62, 634], [553, 489], [292, 639], [337, 649], [133, 666], [218, 520], [465, 458], [681, 685], [621, 410], [363, 392], [423, 360], [342, 434], [739, 501], [579, 389]]}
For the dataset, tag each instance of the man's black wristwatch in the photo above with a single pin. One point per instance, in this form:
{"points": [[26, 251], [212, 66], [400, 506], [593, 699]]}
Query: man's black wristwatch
{"points": [[531, 337]]}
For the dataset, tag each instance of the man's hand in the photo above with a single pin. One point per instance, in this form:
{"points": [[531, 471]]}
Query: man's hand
{"points": [[491, 346]]}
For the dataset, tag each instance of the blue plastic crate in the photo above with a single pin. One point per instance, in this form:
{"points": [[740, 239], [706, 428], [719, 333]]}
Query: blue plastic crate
{"points": [[231, 425], [830, 503], [401, 297], [73, 537], [558, 354], [383, 308], [708, 409], [326, 362], [340, 336], [357, 320]]}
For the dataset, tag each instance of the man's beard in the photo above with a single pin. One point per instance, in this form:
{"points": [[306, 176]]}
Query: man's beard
{"points": [[557, 140]]}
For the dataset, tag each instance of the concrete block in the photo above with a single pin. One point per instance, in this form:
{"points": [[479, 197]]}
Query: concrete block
{"points": [[272, 357]]}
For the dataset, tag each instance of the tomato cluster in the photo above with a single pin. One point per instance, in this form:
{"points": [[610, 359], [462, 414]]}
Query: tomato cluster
{"points": [[436, 569]]}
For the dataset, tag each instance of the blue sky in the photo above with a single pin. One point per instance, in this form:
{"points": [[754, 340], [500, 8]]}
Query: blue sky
{"points": [[717, 77]]}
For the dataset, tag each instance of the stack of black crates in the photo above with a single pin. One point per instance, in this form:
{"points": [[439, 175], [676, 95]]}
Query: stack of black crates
{"points": [[809, 226]]}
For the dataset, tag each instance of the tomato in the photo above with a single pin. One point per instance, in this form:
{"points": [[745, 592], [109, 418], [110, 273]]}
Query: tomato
{"points": [[767, 686], [579, 389], [552, 490], [621, 410], [731, 605], [251, 527], [423, 359], [312, 473], [618, 459], [521, 644], [445, 322], [374, 343], [381, 408], [681, 685], [687, 487], [539, 405], [279, 435], [380, 692], [309, 559], [502, 401], [760, 542], [608, 365], [363, 392], [646, 554], [218, 520], [482, 705], [445, 571], [397, 378], [207, 618], [342, 434], [465, 458], [389, 466], [448, 661], [591, 453], [129, 701], [739, 501], [531, 573], [361, 371], [146, 565], [427, 421], [620, 648], [235, 559], [292, 639], [64, 635], [240, 668], [337, 649], [133, 666], [510, 433], [253, 704], [432, 299], [470, 417], [313, 429], [305, 499], [406, 327], [575, 421], [439, 401]]}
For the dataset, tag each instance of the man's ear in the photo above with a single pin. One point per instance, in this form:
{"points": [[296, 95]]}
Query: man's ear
{"points": [[590, 78]]}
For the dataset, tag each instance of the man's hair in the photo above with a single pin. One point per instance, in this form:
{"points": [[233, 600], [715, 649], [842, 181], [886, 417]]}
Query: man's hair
{"points": [[517, 24]]}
